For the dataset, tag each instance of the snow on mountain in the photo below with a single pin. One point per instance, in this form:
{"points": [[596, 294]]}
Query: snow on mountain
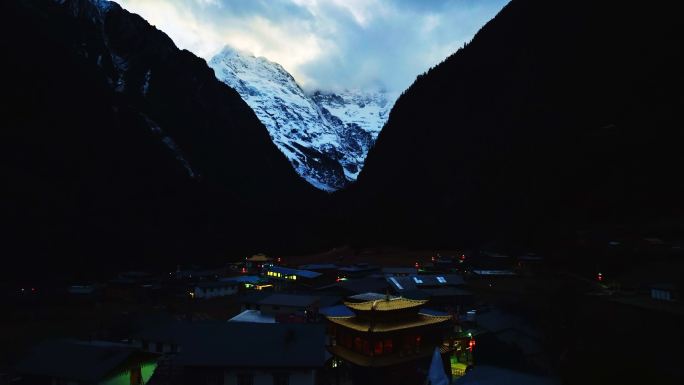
{"points": [[325, 135]]}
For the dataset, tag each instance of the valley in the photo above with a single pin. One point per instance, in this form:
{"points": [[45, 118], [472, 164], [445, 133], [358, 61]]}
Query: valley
{"points": [[513, 216], [325, 135]]}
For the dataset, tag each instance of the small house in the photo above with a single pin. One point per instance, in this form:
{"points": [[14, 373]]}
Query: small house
{"points": [[207, 290], [664, 292], [86, 362], [220, 353]]}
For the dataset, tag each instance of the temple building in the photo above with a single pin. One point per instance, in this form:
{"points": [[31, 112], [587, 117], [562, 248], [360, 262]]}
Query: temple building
{"points": [[389, 340], [256, 262]]}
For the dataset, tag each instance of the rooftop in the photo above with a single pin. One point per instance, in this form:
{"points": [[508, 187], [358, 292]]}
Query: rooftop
{"points": [[319, 266], [253, 316], [419, 281], [297, 272], [359, 286], [75, 360], [245, 344], [253, 296], [398, 270], [447, 292], [336, 311], [370, 296], [494, 272], [379, 327], [259, 258], [295, 300], [432, 312], [358, 268], [243, 279], [396, 303]]}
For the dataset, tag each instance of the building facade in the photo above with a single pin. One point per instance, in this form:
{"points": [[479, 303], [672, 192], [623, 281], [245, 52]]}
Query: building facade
{"points": [[388, 341]]}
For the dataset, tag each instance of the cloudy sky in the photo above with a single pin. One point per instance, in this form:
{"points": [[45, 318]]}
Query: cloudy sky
{"points": [[326, 44]]}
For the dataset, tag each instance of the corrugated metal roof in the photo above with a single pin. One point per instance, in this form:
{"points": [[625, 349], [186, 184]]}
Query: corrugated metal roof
{"points": [[253, 345], [74, 360], [297, 272], [294, 300]]}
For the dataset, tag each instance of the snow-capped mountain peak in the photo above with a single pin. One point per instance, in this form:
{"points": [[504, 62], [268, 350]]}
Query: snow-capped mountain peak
{"points": [[325, 135]]}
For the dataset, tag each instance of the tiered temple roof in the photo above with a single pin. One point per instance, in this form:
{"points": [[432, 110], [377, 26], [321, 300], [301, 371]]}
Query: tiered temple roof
{"points": [[385, 315], [386, 332], [378, 327], [390, 304], [259, 258]]}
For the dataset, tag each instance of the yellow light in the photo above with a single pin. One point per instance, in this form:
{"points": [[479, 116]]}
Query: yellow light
{"points": [[294, 277]]}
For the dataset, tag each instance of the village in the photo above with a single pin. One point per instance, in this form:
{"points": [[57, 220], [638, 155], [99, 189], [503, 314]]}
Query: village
{"points": [[441, 318]]}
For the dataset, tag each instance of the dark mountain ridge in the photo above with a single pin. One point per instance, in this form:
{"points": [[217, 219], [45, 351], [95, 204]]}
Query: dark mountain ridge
{"points": [[117, 146], [556, 116]]}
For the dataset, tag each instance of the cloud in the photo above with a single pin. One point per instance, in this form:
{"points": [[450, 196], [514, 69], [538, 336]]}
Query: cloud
{"points": [[326, 44]]}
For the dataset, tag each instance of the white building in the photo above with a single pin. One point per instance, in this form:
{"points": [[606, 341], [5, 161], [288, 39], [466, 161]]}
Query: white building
{"points": [[214, 289]]}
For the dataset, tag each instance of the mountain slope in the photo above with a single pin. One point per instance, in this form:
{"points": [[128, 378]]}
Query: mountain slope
{"points": [[555, 116], [119, 148], [326, 135]]}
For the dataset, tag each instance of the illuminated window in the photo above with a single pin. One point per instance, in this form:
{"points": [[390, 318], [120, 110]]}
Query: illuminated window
{"points": [[378, 348], [366, 348], [388, 346], [441, 280]]}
